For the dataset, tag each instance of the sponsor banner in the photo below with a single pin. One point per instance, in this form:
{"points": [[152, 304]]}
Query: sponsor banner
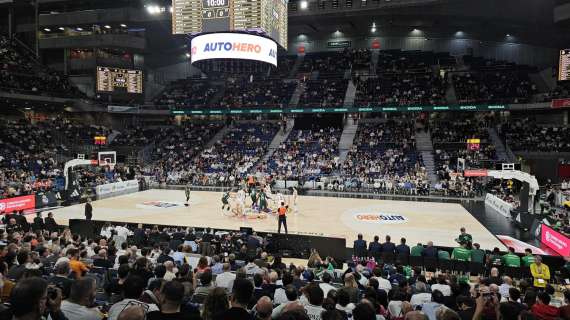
{"points": [[560, 103], [123, 109], [343, 109], [555, 240], [383, 218], [18, 203], [339, 44], [116, 187], [521, 246], [475, 173], [233, 46], [498, 205], [370, 218]]}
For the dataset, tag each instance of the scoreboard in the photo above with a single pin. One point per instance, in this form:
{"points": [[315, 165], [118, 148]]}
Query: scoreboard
{"points": [[116, 80], [564, 66], [267, 17]]}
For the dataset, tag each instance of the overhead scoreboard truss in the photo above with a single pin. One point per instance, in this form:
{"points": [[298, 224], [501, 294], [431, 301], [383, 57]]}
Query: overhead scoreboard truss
{"points": [[265, 17], [232, 30]]}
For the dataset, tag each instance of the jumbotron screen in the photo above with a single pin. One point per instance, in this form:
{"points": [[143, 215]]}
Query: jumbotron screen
{"points": [[268, 17], [116, 80], [564, 66]]}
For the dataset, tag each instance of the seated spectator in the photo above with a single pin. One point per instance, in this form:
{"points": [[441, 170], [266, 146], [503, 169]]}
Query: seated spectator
{"points": [[242, 293], [81, 298], [543, 310], [215, 304], [133, 288], [171, 307], [315, 298]]}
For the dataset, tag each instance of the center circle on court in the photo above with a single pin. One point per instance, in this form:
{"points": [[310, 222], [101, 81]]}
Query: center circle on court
{"points": [[162, 204], [370, 218]]}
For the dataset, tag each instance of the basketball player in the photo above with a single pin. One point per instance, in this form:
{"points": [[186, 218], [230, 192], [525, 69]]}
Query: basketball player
{"points": [[253, 195], [187, 191], [225, 201], [263, 201], [282, 212], [280, 198], [294, 202], [240, 201]]}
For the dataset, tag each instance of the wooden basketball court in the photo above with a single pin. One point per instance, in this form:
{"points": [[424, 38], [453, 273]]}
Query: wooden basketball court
{"points": [[322, 216]]}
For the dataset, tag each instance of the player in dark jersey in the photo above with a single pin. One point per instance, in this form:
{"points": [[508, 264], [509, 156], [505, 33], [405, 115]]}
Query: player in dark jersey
{"points": [[187, 191], [225, 200]]}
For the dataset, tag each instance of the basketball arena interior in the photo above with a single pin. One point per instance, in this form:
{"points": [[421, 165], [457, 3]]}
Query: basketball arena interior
{"points": [[285, 159]]}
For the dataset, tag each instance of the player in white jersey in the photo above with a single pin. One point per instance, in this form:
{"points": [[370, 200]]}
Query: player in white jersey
{"points": [[267, 190], [280, 198], [295, 195], [293, 200], [240, 201]]}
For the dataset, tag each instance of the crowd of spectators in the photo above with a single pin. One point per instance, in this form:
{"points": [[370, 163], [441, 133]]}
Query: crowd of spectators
{"points": [[453, 154], [174, 150], [20, 72], [187, 93], [324, 93], [527, 135], [138, 273], [327, 63], [229, 160], [400, 89], [504, 86], [384, 158], [243, 92], [32, 156], [306, 154]]}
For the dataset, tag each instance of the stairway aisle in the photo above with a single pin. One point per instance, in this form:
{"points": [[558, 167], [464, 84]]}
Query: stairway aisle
{"points": [[347, 139], [500, 149], [279, 138], [424, 146], [217, 137]]}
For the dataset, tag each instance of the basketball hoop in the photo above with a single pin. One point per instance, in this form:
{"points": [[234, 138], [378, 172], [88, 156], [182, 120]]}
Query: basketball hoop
{"points": [[107, 158]]}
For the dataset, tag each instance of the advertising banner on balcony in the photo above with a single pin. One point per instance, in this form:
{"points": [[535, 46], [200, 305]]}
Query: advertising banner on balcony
{"points": [[18, 203]]}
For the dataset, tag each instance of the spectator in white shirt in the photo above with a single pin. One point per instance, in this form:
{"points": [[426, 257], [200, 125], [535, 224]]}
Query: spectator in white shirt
{"points": [[325, 285], [292, 297], [280, 295], [383, 284], [226, 278], [170, 271], [343, 302], [315, 297], [81, 297], [442, 286], [422, 296]]}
